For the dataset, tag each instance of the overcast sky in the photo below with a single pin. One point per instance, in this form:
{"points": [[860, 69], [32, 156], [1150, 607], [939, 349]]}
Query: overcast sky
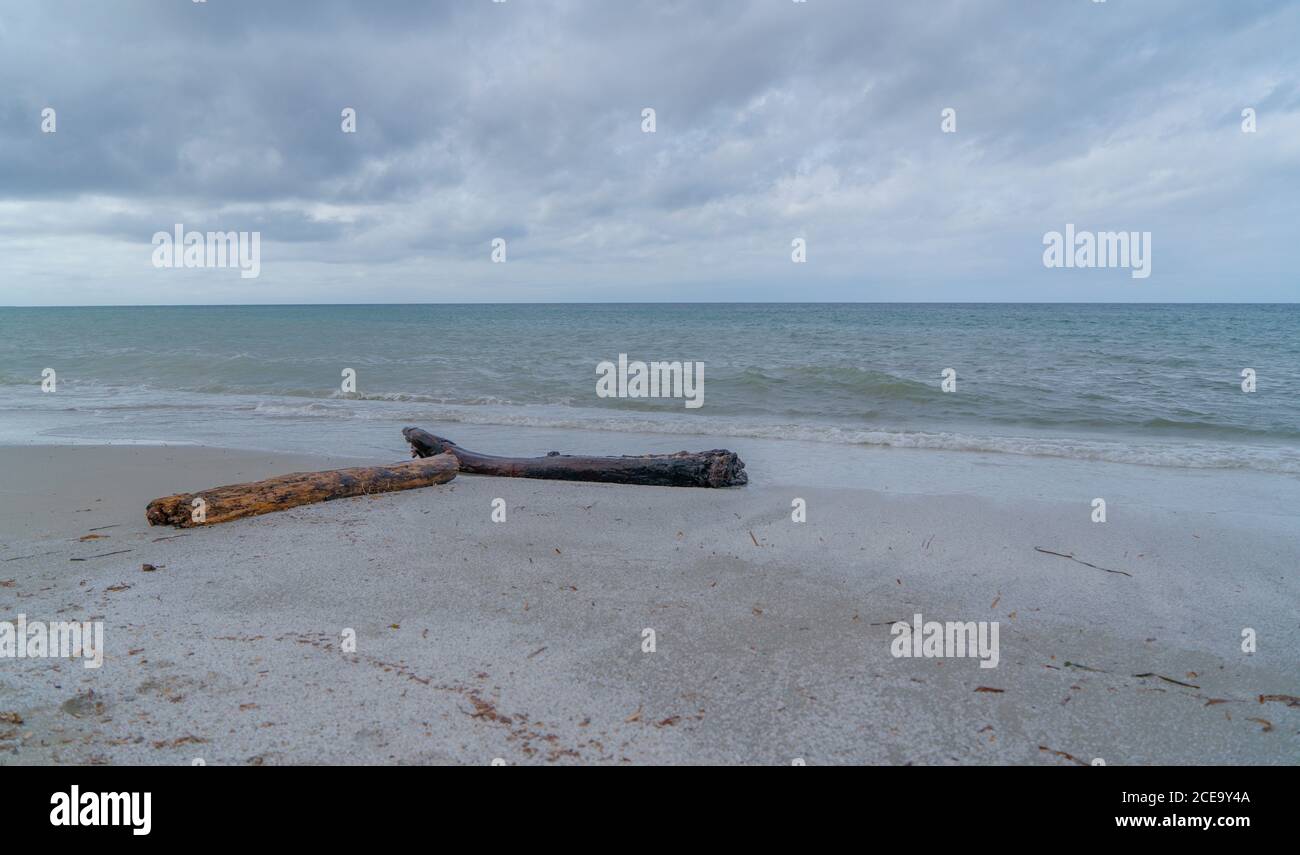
{"points": [[523, 120]]}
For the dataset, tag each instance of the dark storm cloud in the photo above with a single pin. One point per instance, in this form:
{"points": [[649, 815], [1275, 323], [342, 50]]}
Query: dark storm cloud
{"points": [[522, 120]]}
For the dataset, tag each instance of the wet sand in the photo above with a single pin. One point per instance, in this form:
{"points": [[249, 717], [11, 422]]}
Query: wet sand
{"points": [[523, 640]]}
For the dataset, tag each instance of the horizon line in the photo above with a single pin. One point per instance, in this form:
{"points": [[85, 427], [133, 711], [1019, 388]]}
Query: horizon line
{"points": [[1261, 302], [250, 306]]}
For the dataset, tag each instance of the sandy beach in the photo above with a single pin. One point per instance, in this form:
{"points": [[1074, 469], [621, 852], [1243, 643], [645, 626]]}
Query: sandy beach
{"points": [[523, 640]]}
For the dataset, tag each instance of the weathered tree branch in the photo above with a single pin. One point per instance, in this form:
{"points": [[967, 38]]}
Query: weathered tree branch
{"points": [[221, 504], [717, 468]]}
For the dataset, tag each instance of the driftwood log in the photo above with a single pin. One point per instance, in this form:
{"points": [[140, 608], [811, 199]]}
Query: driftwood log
{"points": [[717, 468], [221, 504]]}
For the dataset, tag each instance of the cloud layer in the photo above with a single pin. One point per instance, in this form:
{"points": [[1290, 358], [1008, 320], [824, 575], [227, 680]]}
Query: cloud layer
{"points": [[523, 120]]}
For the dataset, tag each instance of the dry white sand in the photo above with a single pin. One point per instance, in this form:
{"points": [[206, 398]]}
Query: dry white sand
{"points": [[522, 640]]}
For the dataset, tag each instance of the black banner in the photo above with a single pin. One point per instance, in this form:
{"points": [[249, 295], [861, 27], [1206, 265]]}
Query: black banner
{"points": [[138, 805]]}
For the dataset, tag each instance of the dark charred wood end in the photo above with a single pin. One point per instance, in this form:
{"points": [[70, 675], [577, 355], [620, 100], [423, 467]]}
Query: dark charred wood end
{"points": [[425, 444], [726, 469]]}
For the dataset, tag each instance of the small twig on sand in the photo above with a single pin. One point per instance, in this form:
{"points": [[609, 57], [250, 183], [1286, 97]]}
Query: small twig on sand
{"points": [[1168, 680], [1212, 701], [101, 555], [1289, 700], [1067, 756], [1084, 563]]}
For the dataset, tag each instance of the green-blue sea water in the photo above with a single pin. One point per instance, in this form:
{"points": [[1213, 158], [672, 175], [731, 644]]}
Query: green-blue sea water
{"points": [[1149, 384]]}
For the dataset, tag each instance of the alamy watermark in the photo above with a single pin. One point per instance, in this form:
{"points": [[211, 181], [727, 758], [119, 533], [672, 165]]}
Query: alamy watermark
{"points": [[133, 810], [951, 640], [183, 248], [1100, 249], [23, 639], [651, 380]]}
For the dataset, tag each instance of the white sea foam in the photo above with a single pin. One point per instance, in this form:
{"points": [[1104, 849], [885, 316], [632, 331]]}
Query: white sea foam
{"points": [[231, 417], [1180, 453]]}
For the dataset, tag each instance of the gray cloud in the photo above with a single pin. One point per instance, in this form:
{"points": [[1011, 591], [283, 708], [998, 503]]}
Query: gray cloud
{"points": [[522, 120]]}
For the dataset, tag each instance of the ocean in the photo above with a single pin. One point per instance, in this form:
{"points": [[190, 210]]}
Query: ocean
{"points": [[1157, 385]]}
